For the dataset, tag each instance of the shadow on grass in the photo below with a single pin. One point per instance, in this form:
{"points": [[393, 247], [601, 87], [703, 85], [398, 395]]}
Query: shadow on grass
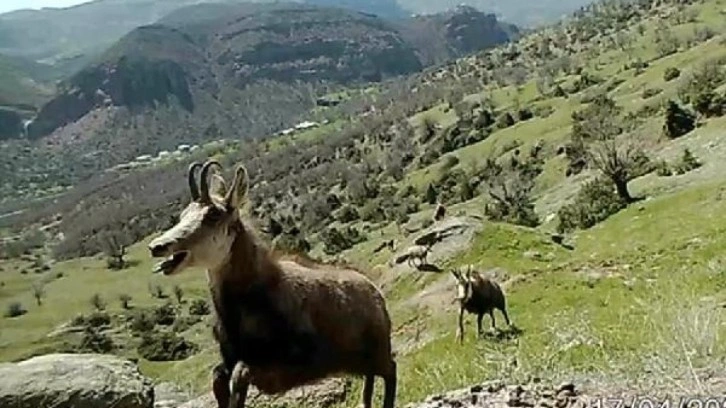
{"points": [[429, 268], [510, 333]]}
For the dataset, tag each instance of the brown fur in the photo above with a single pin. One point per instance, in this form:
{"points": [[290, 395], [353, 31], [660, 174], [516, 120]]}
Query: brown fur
{"points": [[291, 324], [482, 296], [279, 323], [440, 212]]}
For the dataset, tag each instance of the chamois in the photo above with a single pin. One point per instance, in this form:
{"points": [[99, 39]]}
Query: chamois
{"points": [[279, 324], [439, 213], [478, 295], [419, 252]]}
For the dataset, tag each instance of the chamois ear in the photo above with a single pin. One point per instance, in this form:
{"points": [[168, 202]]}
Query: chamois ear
{"points": [[217, 187], [238, 192]]}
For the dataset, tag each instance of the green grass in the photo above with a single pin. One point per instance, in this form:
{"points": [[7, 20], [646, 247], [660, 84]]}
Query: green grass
{"points": [[640, 293]]}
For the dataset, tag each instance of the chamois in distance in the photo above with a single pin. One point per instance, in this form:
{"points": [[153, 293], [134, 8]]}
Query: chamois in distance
{"points": [[279, 324], [478, 295], [419, 252]]}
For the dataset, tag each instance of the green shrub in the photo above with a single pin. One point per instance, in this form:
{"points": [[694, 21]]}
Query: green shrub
{"points": [[289, 243], [15, 309], [505, 120], [165, 315], [650, 92], [125, 301], [450, 162], [524, 114], [596, 201], [522, 214], [178, 293], [97, 319], [199, 307], [183, 323], [373, 212], [687, 163], [347, 214], [97, 302], [95, 341], [709, 104], [337, 240], [483, 120], [678, 121], [671, 73], [141, 322], [662, 169], [165, 346]]}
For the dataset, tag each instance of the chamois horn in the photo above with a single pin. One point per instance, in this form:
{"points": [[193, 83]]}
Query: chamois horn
{"points": [[193, 187], [204, 179]]}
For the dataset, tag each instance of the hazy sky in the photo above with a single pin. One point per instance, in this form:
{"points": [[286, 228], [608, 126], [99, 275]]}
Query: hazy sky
{"points": [[9, 5]]}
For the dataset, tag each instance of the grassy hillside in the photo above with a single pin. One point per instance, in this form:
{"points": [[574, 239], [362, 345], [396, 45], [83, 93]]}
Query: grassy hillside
{"points": [[637, 299]]}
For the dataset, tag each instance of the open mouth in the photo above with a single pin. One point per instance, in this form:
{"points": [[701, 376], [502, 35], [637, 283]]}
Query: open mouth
{"points": [[170, 264]]}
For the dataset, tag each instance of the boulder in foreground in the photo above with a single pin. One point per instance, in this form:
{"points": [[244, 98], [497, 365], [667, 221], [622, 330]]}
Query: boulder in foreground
{"points": [[74, 381]]}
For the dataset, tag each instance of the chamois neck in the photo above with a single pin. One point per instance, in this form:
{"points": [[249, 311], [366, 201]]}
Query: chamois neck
{"points": [[248, 262]]}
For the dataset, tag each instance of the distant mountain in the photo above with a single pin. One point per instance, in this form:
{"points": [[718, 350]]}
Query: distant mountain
{"points": [[524, 13], [207, 71], [440, 37], [71, 37], [388, 9]]}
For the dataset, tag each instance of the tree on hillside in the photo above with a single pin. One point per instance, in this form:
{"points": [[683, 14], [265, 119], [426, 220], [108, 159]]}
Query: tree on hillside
{"points": [[431, 195], [114, 246], [596, 142], [678, 121], [510, 189], [620, 162]]}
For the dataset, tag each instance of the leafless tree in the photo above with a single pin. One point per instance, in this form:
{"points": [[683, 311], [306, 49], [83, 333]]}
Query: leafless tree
{"points": [[618, 160]]}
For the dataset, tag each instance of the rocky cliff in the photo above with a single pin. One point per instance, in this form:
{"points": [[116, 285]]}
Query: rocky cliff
{"points": [[221, 67]]}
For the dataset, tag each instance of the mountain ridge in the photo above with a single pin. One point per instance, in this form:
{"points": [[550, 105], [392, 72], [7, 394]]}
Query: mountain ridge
{"points": [[209, 47]]}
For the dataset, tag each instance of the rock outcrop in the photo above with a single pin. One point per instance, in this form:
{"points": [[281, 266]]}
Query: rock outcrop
{"points": [[323, 394], [74, 381], [496, 394]]}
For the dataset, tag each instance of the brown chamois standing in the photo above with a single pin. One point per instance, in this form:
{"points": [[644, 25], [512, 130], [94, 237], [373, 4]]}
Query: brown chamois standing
{"points": [[279, 324], [478, 295]]}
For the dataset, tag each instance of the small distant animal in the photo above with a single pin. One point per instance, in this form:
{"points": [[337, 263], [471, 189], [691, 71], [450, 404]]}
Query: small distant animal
{"points": [[419, 252], [440, 212], [385, 244], [478, 295]]}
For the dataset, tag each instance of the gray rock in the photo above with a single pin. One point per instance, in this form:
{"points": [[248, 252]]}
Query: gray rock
{"points": [[168, 395], [323, 394], [74, 381]]}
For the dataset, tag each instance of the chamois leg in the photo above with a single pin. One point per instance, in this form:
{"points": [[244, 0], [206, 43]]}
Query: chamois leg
{"points": [[460, 329], [494, 323], [220, 385], [506, 316], [389, 380], [479, 329], [368, 391], [240, 383]]}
